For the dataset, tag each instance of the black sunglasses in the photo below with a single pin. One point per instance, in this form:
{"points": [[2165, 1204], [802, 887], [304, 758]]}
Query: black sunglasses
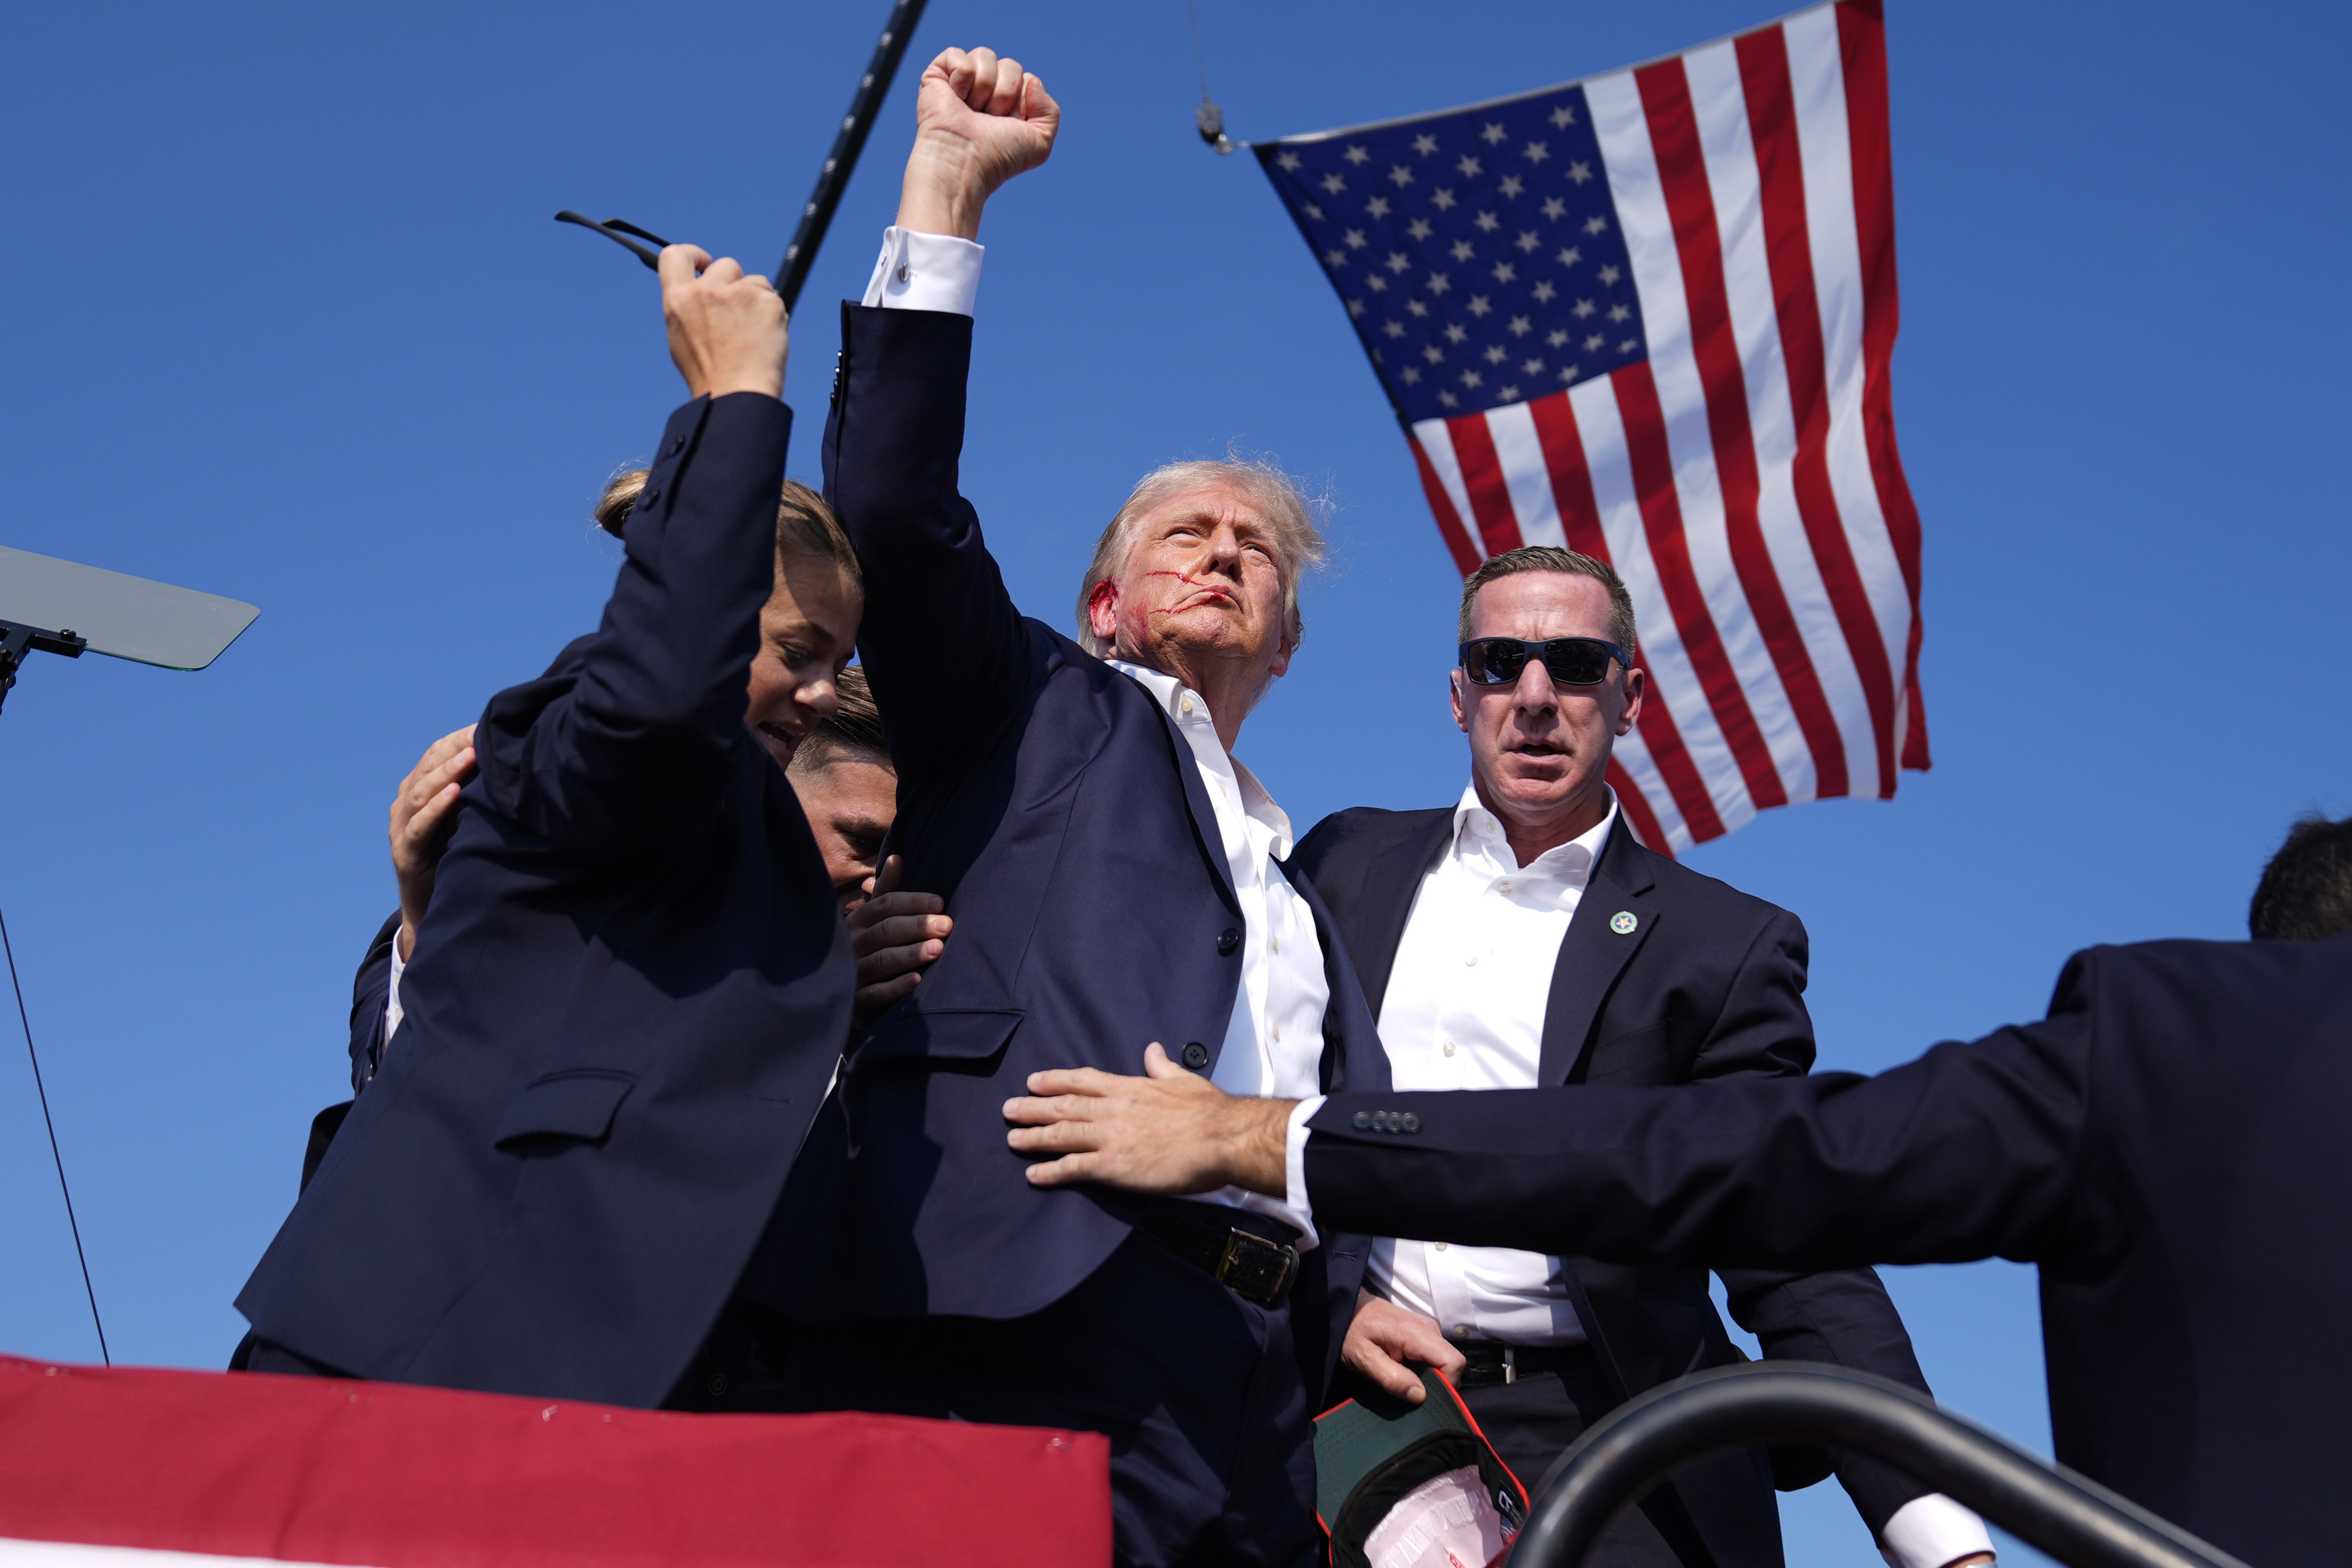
{"points": [[1572, 661], [613, 229]]}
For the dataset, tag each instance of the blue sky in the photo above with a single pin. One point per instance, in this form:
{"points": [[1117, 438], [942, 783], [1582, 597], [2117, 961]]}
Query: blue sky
{"points": [[285, 319]]}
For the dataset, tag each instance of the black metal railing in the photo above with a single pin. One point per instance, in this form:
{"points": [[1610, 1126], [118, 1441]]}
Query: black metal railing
{"points": [[2075, 1521]]}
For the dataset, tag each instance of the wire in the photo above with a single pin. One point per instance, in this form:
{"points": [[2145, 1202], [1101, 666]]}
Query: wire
{"points": [[1192, 9], [71, 1223]]}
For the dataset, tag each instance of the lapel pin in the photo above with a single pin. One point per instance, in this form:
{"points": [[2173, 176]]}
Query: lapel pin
{"points": [[1622, 922]]}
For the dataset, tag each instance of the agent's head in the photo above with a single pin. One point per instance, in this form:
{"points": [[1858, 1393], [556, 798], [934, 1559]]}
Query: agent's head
{"points": [[1200, 571], [842, 771], [1542, 722], [808, 627], [2306, 892]]}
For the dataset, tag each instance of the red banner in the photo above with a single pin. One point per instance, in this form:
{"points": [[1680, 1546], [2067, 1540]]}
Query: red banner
{"points": [[304, 1471]]}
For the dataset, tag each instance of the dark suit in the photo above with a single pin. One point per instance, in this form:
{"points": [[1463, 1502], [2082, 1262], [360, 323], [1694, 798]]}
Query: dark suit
{"points": [[627, 997], [1707, 985], [2168, 1146], [1047, 798]]}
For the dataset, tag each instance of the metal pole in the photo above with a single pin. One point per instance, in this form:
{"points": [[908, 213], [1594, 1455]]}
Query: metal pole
{"points": [[2074, 1518], [872, 88]]}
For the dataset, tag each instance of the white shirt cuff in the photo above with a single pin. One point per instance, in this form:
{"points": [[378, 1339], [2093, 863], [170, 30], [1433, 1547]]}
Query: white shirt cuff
{"points": [[1931, 1532], [926, 272], [391, 1014], [1293, 1163]]}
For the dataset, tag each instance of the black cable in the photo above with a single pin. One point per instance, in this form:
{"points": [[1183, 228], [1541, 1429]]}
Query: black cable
{"points": [[71, 1223]]}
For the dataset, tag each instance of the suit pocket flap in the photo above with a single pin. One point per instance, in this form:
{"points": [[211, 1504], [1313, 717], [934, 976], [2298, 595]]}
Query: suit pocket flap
{"points": [[948, 1035], [579, 1103]]}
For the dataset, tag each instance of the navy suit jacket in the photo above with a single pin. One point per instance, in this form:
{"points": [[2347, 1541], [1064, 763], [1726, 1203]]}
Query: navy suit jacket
{"points": [[1709, 984], [627, 997], [1047, 798], [2168, 1146]]}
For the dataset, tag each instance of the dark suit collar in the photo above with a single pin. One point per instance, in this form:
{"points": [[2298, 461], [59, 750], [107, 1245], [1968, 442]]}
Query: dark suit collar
{"points": [[1391, 881], [1594, 953], [1205, 831]]}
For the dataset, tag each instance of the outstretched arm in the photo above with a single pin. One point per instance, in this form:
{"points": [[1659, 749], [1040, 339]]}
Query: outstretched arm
{"points": [[1970, 1151]]}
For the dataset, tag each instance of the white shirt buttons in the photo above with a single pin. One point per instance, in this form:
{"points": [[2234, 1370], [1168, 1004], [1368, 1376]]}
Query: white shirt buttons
{"points": [[1449, 1048], [1184, 706], [1440, 1247], [1504, 887], [1472, 961]]}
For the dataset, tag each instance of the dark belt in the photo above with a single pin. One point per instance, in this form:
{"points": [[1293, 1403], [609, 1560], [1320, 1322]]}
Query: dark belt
{"points": [[1229, 1244], [1492, 1365]]}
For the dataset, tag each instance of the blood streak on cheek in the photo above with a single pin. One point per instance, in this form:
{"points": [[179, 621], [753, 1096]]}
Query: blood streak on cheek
{"points": [[1219, 589]]}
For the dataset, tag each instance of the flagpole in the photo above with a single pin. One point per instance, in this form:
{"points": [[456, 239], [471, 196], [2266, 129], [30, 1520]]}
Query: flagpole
{"points": [[872, 88]]}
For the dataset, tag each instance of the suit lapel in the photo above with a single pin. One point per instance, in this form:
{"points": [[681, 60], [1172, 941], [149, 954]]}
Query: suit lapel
{"points": [[1205, 831], [1594, 953], [1391, 880]]}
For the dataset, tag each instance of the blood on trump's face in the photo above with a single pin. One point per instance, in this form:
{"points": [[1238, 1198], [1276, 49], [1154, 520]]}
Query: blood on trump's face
{"points": [[1201, 590], [1538, 748]]}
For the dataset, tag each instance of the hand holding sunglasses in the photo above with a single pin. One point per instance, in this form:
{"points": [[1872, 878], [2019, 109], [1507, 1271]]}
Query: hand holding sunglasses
{"points": [[1571, 661]]}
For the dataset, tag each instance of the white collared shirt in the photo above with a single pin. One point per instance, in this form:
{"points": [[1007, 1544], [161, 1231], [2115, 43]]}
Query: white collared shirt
{"points": [[1274, 1040], [1464, 1009]]}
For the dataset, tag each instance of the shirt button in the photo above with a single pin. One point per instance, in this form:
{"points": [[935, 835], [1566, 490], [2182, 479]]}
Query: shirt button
{"points": [[1460, 1330], [1440, 1247], [1277, 1031], [1502, 886], [1275, 942], [904, 272], [1185, 706], [1472, 961], [1449, 1048]]}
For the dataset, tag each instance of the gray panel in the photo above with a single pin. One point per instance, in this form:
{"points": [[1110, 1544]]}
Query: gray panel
{"points": [[130, 617]]}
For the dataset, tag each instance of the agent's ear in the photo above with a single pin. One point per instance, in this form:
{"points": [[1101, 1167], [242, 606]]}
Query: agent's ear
{"points": [[1459, 692], [1636, 683]]}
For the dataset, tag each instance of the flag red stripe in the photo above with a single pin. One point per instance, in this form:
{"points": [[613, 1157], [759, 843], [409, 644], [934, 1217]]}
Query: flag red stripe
{"points": [[1662, 522], [1579, 521], [1572, 476], [1636, 807], [1449, 523], [1862, 42], [1698, 245], [1788, 244], [1482, 476]]}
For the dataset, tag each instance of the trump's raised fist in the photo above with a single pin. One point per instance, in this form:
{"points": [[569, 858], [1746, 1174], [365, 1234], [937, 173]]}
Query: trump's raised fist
{"points": [[979, 120]]}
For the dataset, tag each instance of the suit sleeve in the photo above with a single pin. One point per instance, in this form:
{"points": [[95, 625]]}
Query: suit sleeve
{"points": [[639, 747], [370, 989], [1970, 1151], [942, 644]]}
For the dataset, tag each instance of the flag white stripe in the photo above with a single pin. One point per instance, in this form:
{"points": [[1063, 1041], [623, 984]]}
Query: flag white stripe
{"points": [[1817, 82], [1623, 131], [1719, 103], [1437, 445], [1526, 475], [79, 1554], [1633, 753], [1603, 431]]}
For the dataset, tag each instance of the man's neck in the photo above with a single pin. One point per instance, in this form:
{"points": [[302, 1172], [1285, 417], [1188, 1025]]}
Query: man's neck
{"points": [[1221, 684], [1533, 834]]}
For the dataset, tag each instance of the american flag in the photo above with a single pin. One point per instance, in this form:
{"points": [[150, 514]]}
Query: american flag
{"points": [[1648, 315]]}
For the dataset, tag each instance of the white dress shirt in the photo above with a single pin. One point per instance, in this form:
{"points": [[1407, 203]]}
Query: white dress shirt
{"points": [[1273, 1040], [1464, 1009]]}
